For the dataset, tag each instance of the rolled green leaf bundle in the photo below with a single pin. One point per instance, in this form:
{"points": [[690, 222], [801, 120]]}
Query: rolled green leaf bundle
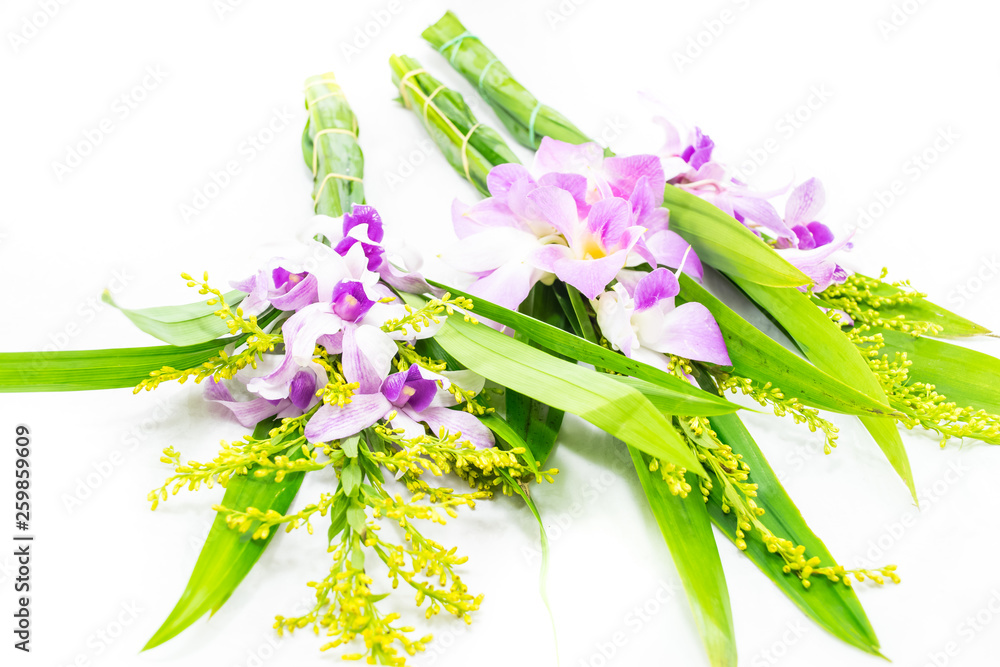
{"points": [[527, 119], [330, 147], [470, 147]]}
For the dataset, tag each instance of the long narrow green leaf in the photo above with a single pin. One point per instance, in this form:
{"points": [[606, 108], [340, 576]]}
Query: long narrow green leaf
{"points": [[833, 606], [228, 555], [756, 355], [825, 345], [725, 243], [102, 369], [689, 399], [611, 406], [687, 528], [535, 421], [963, 376], [189, 324]]}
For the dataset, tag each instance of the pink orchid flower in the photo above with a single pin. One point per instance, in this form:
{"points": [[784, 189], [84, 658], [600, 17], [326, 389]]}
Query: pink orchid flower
{"points": [[639, 318], [407, 400], [575, 215]]}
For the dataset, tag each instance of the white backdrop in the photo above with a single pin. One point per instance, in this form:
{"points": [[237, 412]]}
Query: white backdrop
{"points": [[162, 96]]}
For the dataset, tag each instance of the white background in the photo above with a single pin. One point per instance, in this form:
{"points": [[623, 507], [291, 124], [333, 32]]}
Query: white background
{"points": [[114, 221]]}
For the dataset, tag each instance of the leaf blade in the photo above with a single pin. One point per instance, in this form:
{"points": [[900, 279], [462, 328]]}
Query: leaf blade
{"points": [[228, 555], [835, 607], [690, 399], [756, 355], [189, 324], [825, 345], [723, 242], [611, 406], [687, 529]]}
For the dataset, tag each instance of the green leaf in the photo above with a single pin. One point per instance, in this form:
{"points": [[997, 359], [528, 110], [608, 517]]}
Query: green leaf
{"points": [[920, 309], [756, 355], [350, 478], [102, 369], [228, 555], [689, 399], [356, 518], [966, 377], [723, 242], [338, 517], [834, 606], [350, 446], [180, 325], [610, 405], [825, 345], [687, 529], [535, 421]]}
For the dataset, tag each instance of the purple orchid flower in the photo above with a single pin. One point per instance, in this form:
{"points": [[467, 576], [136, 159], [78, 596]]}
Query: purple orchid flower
{"points": [[688, 164], [282, 284], [363, 226], [638, 317], [249, 408], [406, 399], [814, 243], [595, 249], [575, 215], [683, 155]]}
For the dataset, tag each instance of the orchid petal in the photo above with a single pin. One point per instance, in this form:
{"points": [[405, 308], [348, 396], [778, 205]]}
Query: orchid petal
{"points": [[670, 249], [575, 184], [509, 285], [690, 331], [333, 422], [481, 216], [805, 203], [503, 176], [614, 318], [247, 413], [367, 356], [491, 249], [555, 155], [654, 287], [454, 422], [623, 173], [608, 219], [763, 213], [558, 208]]}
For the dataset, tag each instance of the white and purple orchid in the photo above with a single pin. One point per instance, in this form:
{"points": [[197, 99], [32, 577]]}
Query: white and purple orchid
{"points": [[638, 317], [407, 400], [814, 244], [339, 298], [806, 243], [250, 408], [575, 215]]}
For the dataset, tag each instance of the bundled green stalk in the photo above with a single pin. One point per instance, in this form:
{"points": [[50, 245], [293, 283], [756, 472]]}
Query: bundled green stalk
{"points": [[330, 147], [527, 119], [470, 147]]}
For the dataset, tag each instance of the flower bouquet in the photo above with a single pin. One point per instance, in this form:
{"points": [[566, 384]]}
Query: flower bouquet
{"points": [[589, 292]]}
